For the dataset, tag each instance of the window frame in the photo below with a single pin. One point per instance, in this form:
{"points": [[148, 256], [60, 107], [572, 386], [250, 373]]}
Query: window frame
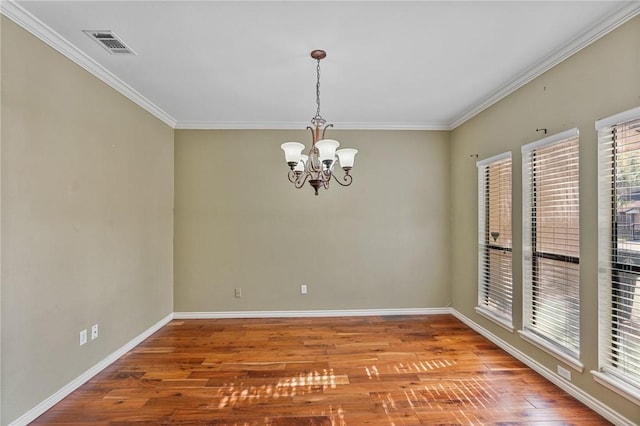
{"points": [[485, 246], [608, 265], [531, 256]]}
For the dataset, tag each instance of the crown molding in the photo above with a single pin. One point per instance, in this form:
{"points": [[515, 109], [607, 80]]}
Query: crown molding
{"points": [[393, 126], [609, 23], [240, 125], [215, 125], [26, 20]]}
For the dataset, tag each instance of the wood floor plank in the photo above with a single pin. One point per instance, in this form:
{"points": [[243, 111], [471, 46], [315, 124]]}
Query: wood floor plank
{"points": [[400, 370]]}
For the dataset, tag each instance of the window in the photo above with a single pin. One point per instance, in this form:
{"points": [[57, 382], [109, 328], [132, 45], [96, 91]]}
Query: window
{"points": [[494, 239], [551, 246], [619, 253]]}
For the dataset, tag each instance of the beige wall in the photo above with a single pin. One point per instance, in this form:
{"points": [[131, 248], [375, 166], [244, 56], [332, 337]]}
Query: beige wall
{"points": [[599, 81], [381, 243], [87, 194]]}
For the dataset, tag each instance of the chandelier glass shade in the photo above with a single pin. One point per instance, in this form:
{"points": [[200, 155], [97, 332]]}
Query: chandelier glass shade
{"points": [[318, 164]]}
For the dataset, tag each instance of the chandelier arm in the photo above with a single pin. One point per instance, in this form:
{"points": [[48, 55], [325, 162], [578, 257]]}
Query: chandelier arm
{"points": [[346, 178], [313, 135], [313, 164], [292, 176], [325, 129], [326, 175], [299, 183]]}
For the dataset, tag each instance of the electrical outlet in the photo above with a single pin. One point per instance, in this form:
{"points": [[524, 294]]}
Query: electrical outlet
{"points": [[83, 337], [564, 373], [238, 292], [303, 289], [94, 332]]}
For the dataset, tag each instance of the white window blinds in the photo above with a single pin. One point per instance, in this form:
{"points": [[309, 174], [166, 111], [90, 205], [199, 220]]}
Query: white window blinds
{"points": [[551, 244], [494, 239], [619, 247]]}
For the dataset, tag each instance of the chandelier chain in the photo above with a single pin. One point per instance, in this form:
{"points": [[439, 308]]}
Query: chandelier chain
{"points": [[318, 88], [318, 118]]}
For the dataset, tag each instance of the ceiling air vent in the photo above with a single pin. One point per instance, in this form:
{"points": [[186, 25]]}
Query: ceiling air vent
{"points": [[109, 41]]}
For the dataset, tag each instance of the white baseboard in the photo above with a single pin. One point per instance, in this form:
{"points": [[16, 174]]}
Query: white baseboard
{"points": [[314, 313], [41, 408], [591, 402]]}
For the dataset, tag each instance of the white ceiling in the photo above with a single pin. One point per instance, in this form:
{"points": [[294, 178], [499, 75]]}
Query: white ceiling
{"points": [[390, 64]]}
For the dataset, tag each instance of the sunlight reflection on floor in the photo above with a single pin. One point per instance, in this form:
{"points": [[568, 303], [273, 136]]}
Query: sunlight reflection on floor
{"points": [[413, 367], [304, 383], [452, 395]]}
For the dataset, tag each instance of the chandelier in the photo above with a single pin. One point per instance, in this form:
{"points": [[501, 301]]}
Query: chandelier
{"points": [[318, 164]]}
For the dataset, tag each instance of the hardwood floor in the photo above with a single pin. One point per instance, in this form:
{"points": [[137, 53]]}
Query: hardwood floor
{"points": [[409, 370]]}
